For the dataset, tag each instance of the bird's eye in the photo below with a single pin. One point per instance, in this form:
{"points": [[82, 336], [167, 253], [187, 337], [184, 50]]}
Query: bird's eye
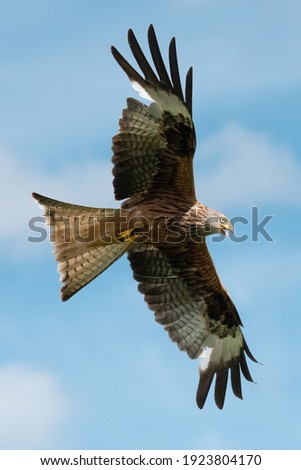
{"points": [[222, 220]]}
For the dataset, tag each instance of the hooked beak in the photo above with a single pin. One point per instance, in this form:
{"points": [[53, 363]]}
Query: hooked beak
{"points": [[227, 227]]}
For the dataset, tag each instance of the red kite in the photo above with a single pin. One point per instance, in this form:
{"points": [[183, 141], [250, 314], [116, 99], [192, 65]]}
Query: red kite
{"points": [[160, 225]]}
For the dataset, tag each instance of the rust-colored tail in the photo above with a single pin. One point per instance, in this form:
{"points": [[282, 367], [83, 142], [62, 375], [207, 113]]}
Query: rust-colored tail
{"points": [[86, 240]]}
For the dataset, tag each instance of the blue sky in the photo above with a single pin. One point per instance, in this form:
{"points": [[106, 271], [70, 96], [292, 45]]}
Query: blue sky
{"points": [[97, 371]]}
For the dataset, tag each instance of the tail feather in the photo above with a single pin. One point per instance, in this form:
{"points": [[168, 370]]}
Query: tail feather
{"points": [[78, 271], [86, 241]]}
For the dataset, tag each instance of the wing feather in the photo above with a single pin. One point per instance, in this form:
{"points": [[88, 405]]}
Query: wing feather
{"points": [[174, 69], [141, 59], [235, 380], [204, 387], [220, 387], [245, 369], [154, 149], [188, 90], [157, 57], [184, 291], [133, 75]]}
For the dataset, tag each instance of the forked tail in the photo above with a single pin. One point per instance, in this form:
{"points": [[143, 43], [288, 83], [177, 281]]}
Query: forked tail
{"points": [[86, 241]]}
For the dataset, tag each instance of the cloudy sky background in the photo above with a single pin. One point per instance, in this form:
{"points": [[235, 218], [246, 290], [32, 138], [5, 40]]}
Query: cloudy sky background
{"points": [[97, 371]]}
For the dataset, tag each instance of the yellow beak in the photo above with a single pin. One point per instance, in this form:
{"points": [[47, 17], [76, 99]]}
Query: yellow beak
{"points": [[228, 227]]}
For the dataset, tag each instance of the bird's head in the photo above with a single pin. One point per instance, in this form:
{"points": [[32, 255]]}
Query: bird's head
{"points": [[216, 222]]}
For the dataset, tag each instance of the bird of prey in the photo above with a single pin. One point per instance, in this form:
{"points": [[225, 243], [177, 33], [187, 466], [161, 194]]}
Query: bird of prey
{"points": [[160, 225]]}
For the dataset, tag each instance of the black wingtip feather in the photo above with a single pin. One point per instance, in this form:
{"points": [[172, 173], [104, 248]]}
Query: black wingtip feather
{"points": [[220, 387], [157, 57], [221, 381], [174, 69], [236, 380], [172, 84], [128, 69], [245, 369], [203, 387], [248, 352], [188, 90], [141, 59]]}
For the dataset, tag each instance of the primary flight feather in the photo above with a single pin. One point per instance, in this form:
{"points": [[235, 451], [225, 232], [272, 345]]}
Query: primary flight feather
{"points": [[160, 225]]}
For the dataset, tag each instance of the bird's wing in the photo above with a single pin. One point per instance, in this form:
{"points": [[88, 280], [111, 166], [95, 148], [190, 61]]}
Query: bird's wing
{"points": [[154, 149], [181, 286]]}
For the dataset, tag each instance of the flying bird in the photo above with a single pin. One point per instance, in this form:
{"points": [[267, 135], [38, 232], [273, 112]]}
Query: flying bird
{"points": [[160, 225]]}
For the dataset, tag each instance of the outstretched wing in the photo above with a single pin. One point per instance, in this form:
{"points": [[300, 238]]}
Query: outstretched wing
{"points": [[181, 286], [154, 149]]}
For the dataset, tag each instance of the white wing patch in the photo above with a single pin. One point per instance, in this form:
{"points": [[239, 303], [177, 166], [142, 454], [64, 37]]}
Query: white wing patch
{"points": [[204, 358], [166, 100], [219, 352], [141, 91]]}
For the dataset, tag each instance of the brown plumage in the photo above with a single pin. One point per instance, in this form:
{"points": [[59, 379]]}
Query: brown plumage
{"points": [[160, 225]]}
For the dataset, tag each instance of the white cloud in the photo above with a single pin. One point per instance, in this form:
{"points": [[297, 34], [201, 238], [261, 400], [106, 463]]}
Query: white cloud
{"points": [[243, 167], [32, 408]]}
